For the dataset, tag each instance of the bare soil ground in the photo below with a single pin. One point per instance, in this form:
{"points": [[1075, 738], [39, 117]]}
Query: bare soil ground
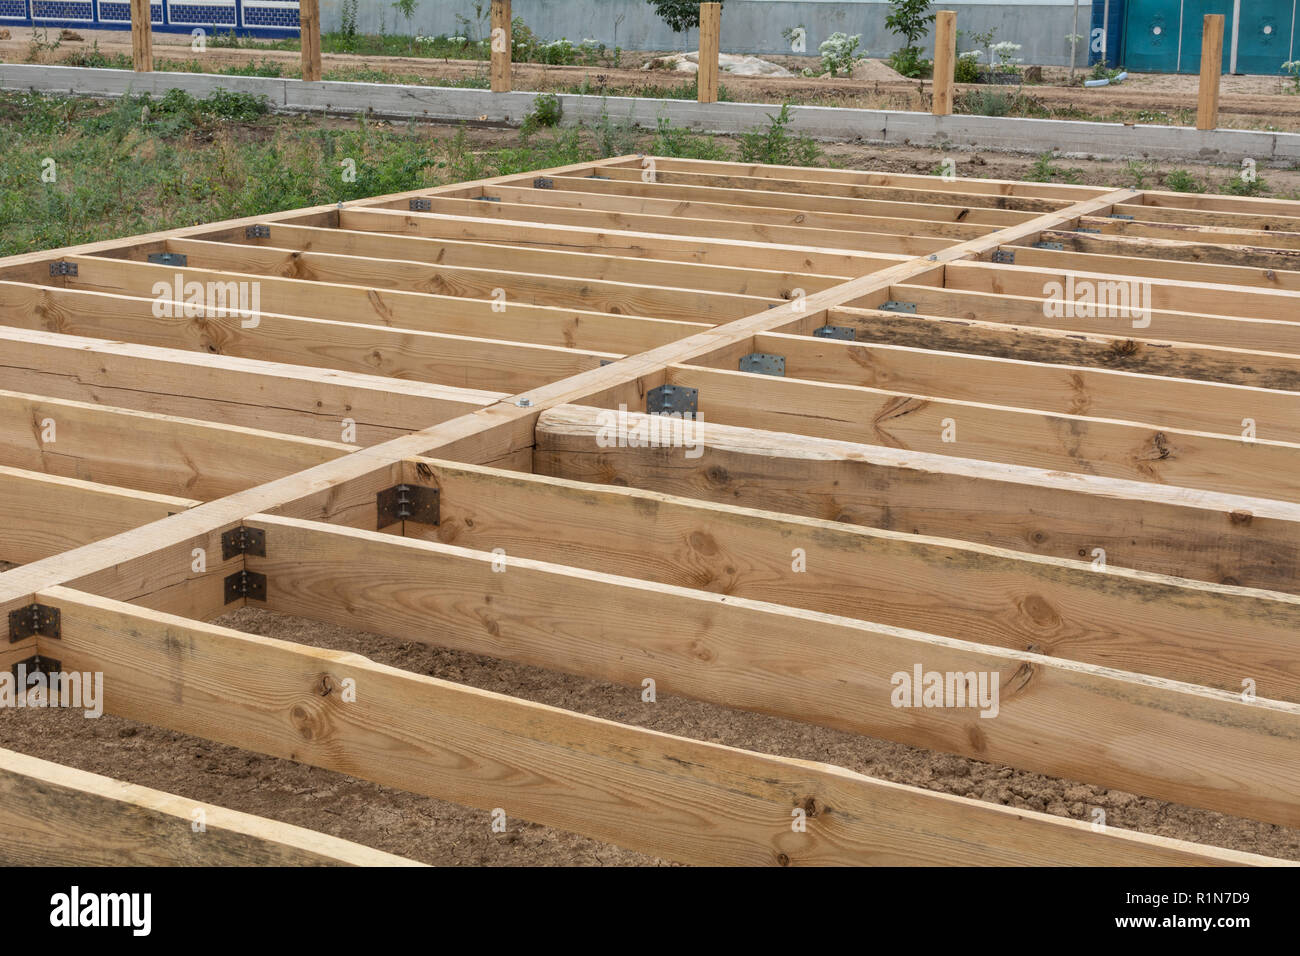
{"points": [[1247, 102], [437, 832]]}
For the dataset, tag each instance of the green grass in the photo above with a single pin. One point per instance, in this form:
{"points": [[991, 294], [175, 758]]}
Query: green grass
{"points": [[138, 164]]}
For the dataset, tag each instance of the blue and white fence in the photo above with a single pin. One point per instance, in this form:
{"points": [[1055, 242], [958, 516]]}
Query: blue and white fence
{"points": [[247, 17]]}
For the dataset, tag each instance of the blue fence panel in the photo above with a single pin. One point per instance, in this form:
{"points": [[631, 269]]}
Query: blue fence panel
{"points": [[275, 18]]}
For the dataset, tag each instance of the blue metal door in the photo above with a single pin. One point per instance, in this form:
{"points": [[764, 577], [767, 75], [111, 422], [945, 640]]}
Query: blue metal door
{"points": [[1151, 29], [1164, 36]]}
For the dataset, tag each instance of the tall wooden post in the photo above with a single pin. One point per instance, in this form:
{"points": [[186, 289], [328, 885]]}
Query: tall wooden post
{"points": [[141, 36], [710, 45], [309, 29], [501, 41], [1207, 103], [945, 61]]}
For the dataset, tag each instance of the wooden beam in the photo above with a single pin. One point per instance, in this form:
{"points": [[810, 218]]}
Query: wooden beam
{"points": [[1166, 325], [309, 31], [861, 177], [1262, 214], [1170, 627], [942, 224], [710, 44], [840, 241], [292, 399], [502, 42], [146, 452], [995, 433], [141, 36], [945, 61], [745, 205], [754, 187], [1207, 98], [607, 780], [1246, 235], [1148, 356], [550, 261], [42, 515], [1206, 298], [454, 360], [1164, 258], [54, 815], [626, 243], [1196, 406], [1205, 536], [498, 286], [1051, 717]]}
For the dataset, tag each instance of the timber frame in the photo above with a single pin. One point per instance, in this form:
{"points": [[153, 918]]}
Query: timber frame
{"points": [[897, 385]]}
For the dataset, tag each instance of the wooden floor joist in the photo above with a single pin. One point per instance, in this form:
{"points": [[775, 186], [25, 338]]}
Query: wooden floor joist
{"points": [[911, 433], [56, 816]]}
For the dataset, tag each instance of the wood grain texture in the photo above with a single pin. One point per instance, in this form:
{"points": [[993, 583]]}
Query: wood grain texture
{"points": [[673, 797], [1206, 536], [1152, 400], [1169, 627], [53, 815], [1015, 436]]}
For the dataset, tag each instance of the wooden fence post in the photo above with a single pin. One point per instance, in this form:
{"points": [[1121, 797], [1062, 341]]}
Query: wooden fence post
{"points": [[141, 36], [309, 29], [710, 45], [945, 61], [501, 41], [1207, 103]]}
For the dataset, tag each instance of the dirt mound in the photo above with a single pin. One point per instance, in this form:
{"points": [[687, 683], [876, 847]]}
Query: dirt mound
{"points": [[877, 71]]}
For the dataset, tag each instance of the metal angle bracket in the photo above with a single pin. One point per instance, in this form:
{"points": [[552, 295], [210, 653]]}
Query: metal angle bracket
{"points": [[1054, 246], [895, 306], [243, 540], [420, 205], [168, 259], [1006, 257], [35, 619], [763, 363], [1120, 215], [1095, 232], [257, 232], [36, 664], [597, 176], [245, 584], [408, 503], [487, 198], [63, 268], [846, 332], [541, 182], [673, 400]]}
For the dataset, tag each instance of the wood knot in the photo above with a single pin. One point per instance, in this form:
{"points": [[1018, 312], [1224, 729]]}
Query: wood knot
{"points": [[809, 806]]}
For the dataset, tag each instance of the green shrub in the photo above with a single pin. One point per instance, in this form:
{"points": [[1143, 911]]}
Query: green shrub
{"points": [[547, 111], [775, 145], [1181, 181]]}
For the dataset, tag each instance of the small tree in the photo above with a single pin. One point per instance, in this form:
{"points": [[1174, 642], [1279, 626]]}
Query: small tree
{"points": [[910, 21], [681, 15]]}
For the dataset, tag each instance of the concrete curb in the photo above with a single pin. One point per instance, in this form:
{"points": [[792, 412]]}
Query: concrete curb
{"points": [[884, 127]]}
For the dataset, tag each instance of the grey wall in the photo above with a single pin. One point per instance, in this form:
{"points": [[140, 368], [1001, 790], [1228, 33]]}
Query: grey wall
{"points": [[748, 26]]}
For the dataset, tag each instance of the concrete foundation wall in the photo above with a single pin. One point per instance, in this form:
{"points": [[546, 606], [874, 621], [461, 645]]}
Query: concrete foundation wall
{"points": [[748, 26], [1071, 138]]}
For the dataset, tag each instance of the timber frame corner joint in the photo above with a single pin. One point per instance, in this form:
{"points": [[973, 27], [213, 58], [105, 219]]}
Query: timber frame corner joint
{"points": [[407, 502], [34, 620]]}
